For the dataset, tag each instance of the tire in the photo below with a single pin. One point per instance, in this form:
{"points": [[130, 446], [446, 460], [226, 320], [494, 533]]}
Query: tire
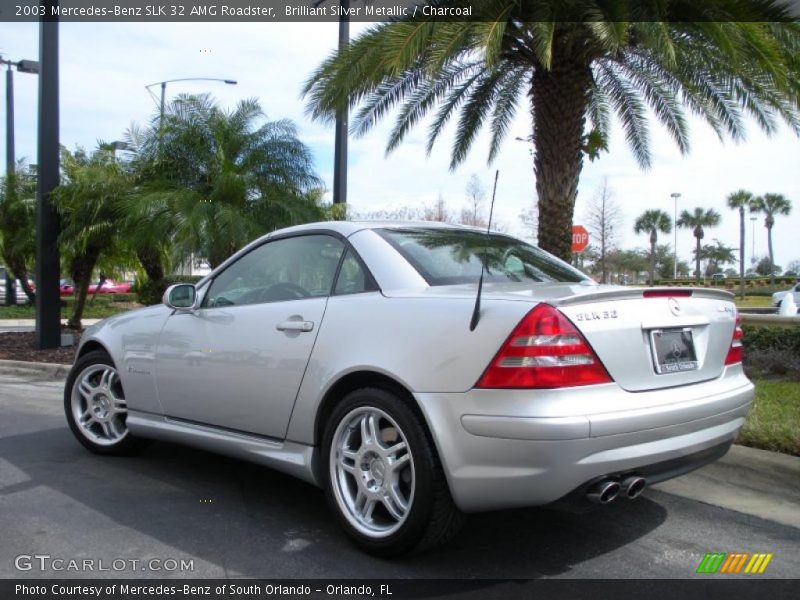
{"points": [[383, 478], [95, 407]]}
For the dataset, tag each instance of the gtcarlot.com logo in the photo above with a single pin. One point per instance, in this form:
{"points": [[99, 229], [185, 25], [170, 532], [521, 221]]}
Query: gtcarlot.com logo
{"points": [[46, 562], [734, 563]]}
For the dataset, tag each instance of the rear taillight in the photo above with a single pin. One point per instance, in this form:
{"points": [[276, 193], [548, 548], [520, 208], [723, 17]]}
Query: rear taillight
{"points": [[544, 351], [736, 352]]}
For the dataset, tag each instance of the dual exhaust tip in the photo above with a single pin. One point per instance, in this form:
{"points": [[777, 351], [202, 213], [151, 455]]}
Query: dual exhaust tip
{"points": [[607, 490]]}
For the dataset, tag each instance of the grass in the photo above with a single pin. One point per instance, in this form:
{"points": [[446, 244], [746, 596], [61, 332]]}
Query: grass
{"points": [[774, 420], [92, 311], [753, 302]]}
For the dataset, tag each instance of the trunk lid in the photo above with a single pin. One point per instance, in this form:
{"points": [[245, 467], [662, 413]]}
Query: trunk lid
{"points": [[628, 327], [657, 337]]}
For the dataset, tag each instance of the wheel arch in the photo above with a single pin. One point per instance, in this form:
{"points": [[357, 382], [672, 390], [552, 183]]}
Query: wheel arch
{"points": [[90, 346], [355, 380]]}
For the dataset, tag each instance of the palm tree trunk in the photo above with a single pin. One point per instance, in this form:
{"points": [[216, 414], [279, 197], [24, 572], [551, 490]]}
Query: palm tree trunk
{"points": [[697, 261], [653, 240], [741, 251], [81, 273], [559, 98], [20, 271], [150, 260], [771, 256]]}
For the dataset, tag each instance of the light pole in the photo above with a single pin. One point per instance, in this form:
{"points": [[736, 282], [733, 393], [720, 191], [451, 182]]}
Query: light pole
{"points": [[340, 138], [342, 114], [675, 196], [48, 302], [163, 85], [753, 220], [23, 66]]}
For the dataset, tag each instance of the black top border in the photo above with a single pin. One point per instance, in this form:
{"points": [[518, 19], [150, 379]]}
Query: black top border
{"points": [[378, 11]]}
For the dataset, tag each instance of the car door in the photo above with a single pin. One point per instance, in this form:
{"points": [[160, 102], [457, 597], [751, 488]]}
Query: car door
{"points": [[237, 361]]}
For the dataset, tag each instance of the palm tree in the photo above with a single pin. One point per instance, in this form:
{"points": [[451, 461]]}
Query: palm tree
{"points": [[741, 200], [214, 179], [696, 221], [653, 221], [89, 201], [771, 205], [722, 59], [17, 224]]}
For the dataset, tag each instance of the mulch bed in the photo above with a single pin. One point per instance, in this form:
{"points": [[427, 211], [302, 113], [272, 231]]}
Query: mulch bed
{"points": [[22, 346]]}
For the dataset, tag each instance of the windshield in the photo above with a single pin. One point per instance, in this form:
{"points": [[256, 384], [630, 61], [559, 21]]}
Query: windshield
{"points": [[453, 256]]}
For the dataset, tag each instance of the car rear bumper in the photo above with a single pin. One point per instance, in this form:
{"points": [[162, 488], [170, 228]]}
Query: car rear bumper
{"points": [[509, 448]]}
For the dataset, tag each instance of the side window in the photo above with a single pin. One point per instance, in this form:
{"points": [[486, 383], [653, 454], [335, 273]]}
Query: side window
{"points": [[353, 279], [286, 269]]}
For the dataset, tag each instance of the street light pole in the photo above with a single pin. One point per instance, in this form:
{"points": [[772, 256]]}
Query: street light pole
{"points": [[163, 84], [24, 66], [48, 302], [10, 158], [675, 196], [753, 220], [11, 288]]}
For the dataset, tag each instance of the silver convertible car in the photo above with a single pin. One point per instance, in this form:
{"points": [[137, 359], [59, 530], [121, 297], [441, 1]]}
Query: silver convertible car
{"points": [[353, 355]]}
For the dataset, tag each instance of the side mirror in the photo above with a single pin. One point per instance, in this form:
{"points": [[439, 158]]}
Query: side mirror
{"points": [[180, 296]]}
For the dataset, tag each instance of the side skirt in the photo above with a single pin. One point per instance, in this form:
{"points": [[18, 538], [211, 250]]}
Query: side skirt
{"points": [[288, 457]]}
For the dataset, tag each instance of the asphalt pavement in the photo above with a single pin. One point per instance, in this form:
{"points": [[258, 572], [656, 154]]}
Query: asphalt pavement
{"points": [[234, 519]]}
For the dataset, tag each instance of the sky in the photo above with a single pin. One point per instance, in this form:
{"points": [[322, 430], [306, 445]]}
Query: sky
{"points": [[106, 66]]}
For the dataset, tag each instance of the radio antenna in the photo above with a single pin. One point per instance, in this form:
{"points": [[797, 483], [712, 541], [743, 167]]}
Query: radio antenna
{"points": [[476, 312]]}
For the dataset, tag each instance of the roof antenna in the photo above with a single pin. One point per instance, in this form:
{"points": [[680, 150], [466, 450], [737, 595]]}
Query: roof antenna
{"points": [[476, 312]]}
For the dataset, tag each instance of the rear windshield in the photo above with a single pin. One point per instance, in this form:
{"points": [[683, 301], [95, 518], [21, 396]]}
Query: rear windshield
{"points": [[453, 256]]}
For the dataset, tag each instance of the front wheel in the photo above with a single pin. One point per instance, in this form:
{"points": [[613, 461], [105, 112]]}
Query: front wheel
{"points": [[383, 477], [95, 406]]}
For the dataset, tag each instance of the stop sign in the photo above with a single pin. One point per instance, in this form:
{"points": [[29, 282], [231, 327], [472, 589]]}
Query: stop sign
{"points": [[580, 238]]}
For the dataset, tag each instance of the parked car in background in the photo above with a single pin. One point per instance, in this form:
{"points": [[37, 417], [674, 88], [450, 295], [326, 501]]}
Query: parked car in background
{"points": [[719, 277], [67, 288], [778, 297], [21, 297], [355, 356]]}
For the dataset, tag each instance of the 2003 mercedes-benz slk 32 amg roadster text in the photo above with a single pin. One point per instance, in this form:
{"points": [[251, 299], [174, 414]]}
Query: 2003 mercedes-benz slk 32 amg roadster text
{"points": [[343, 353]]}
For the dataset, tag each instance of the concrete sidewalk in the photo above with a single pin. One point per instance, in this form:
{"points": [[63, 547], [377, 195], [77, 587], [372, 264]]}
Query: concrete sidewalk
{"points": [[755, 482], [750, 481]]}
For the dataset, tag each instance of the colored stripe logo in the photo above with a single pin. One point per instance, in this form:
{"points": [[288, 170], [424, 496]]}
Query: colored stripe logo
{"points": [[734, 563]]}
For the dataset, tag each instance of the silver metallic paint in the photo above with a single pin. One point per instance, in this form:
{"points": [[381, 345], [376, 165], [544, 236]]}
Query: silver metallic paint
{"points": [[500, 448]]}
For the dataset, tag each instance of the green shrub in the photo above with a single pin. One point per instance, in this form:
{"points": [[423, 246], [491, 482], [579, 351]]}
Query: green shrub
{"points": [[150, 292], [784, 339], [772, 352]]}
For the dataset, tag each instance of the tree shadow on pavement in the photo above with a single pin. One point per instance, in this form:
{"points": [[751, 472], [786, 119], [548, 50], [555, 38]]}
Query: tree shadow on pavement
{"points": [[254, 522]]}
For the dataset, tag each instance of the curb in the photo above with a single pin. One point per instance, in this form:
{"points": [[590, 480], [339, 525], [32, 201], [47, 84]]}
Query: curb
{"points": [[32, 322], [22, 367], [748, 480]]}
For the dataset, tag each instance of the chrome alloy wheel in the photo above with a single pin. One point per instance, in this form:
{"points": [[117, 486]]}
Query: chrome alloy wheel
{"points": [[98, 405], [372, 472]]}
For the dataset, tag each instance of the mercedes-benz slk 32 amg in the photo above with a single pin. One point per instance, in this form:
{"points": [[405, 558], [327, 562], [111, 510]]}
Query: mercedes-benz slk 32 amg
{"points": [[343, 353]]}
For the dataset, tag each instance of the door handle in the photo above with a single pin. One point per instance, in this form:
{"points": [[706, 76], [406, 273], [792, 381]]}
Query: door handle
{"points": [[293, 325]]}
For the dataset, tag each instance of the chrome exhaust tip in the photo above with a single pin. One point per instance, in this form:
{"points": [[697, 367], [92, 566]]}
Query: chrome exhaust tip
{"points": [[603, 492], [633, 486]]}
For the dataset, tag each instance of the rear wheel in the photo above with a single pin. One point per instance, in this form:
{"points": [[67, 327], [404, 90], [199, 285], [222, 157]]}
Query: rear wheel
{"points": [[95, 406], [383, 478]]}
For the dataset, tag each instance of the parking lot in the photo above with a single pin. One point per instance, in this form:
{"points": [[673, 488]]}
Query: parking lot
{"points": [[232, 519]]}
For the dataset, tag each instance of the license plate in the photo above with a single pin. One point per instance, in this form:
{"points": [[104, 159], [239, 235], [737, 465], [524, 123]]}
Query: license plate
{"points": [[673, 350]]}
